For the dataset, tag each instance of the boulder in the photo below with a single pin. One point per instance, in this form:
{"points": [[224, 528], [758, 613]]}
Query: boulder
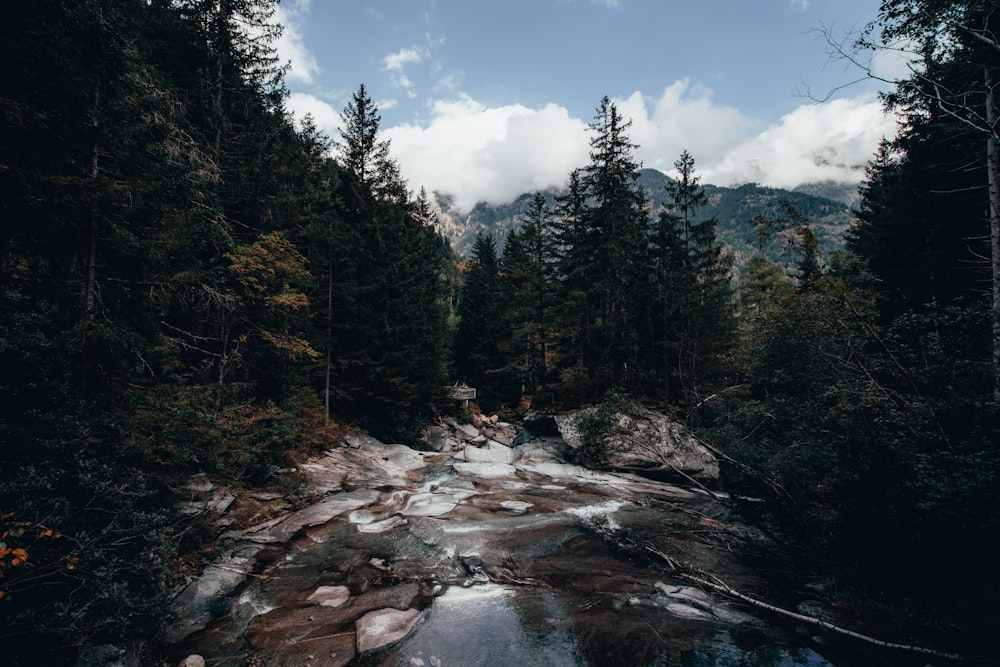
{"points": [[493, 452], [466, 431], [649, 443], [384, 626], [330, 596]]}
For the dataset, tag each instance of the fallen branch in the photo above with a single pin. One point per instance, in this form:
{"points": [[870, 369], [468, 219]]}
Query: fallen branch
{"points": [[713, 583]]}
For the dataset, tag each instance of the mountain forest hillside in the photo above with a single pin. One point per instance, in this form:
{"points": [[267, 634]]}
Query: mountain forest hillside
{"points": [[733, 208]]}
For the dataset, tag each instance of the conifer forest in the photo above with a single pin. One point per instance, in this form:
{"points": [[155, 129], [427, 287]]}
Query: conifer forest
{"points": [[192, 282]]}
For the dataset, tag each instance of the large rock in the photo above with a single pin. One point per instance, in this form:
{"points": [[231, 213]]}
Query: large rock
{"points": [[384, 626], [492, 452], [649, 443]]}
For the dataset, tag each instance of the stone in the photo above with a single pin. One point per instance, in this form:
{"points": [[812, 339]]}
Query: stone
{"points": [[200, 483], [518, 506], [194, 660], [493, 452], [486, 470], [383, 627], [435, 437], [382, 526], [321, 512], [428, 504], [205, 597], [655, 444], [330, 596], [466, 431]]}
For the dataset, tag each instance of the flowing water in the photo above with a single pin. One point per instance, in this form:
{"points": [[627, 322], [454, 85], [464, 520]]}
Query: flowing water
{"points": [[500, 566]]}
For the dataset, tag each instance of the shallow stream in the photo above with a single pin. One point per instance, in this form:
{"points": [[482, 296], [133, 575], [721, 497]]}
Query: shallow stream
{"points": [[502, 565]]}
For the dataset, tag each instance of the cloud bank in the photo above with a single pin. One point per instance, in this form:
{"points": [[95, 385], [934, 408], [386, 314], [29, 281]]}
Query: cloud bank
{"points": [[479, 153]]}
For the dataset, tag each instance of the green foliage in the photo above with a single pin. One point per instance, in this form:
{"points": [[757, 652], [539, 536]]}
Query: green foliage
{"points": [[600, 427]]}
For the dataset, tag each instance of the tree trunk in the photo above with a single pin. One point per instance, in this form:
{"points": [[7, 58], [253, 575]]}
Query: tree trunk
{"points": [[993, 171], [90, 289]]}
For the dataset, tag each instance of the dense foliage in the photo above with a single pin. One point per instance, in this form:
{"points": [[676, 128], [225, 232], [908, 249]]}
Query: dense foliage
{"points": [[184, 275]]}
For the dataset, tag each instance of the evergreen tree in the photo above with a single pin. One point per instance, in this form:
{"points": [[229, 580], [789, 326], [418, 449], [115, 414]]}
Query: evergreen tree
{"points": [[527, 267], [695, 323], [481, 336], [604, 262]]}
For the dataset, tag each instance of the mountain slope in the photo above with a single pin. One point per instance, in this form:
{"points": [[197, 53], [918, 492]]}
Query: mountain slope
{"points": [[733, 208]]}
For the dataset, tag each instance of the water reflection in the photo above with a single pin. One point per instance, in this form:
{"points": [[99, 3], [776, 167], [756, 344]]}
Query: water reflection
{"points": [[495, 625]]}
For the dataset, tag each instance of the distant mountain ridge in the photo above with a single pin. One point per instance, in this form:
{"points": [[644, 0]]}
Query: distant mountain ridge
{"points": [[826, 205]]}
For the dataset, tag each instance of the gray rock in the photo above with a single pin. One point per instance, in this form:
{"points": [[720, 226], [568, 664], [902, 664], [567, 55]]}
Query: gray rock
{"points": [[194, 660], [466, 431], [330, 596], [649, 442], [383, 627]]}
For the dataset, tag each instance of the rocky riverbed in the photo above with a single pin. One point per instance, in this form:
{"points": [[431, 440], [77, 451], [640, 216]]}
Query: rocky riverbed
{"points": [[488, 549]]}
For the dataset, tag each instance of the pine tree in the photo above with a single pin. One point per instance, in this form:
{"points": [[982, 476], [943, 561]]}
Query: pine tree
{"points": [[480, 359], [526, 268], [604, 262], [695, 322]]}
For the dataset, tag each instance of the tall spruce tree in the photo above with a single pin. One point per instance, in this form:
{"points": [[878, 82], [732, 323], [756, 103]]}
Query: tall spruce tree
{"points": [[527, 279], [695, 322], [481, 336], [606, 260]]}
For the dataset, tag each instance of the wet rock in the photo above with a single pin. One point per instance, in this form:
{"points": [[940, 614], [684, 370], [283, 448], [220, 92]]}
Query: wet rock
{"points": [[486, 470], [492, 452], [330, 596], [207, 597], [516, 505], [382, 526], [289, 635], [322, 512], [383, 627], [428, 504], [653, 444]]}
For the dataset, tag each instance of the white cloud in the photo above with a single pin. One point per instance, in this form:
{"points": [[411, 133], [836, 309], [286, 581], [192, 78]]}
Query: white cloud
{"points": [[494, 154], [816, 142], [684, 117], [290, 46], [480, 153], [327, 118], [394, 62]]}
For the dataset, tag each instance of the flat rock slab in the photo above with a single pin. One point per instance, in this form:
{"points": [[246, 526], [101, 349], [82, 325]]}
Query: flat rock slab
{"points": [[429, 504], [486, 470], [330, 596], [492, 452], [206, 597], [323, 511], [384, 626]]}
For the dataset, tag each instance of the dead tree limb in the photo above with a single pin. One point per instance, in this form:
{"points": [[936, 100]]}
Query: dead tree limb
{"points": [[711, 582]]}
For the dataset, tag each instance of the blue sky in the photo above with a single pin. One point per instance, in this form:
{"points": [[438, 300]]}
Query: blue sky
{"points": [[488, 99]]}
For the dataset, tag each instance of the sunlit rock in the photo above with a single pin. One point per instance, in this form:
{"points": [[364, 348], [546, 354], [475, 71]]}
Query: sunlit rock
{"points": [[383, 627], [516, 505], [428, 504], [486, 470], [492, 452], [382, 526], [330, 596]]}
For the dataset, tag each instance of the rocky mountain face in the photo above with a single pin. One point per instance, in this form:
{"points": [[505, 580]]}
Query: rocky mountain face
{"points": [[826, 205]]}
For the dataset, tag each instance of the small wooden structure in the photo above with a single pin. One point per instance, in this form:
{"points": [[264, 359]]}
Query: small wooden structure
{"points": [[462, 392]]}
